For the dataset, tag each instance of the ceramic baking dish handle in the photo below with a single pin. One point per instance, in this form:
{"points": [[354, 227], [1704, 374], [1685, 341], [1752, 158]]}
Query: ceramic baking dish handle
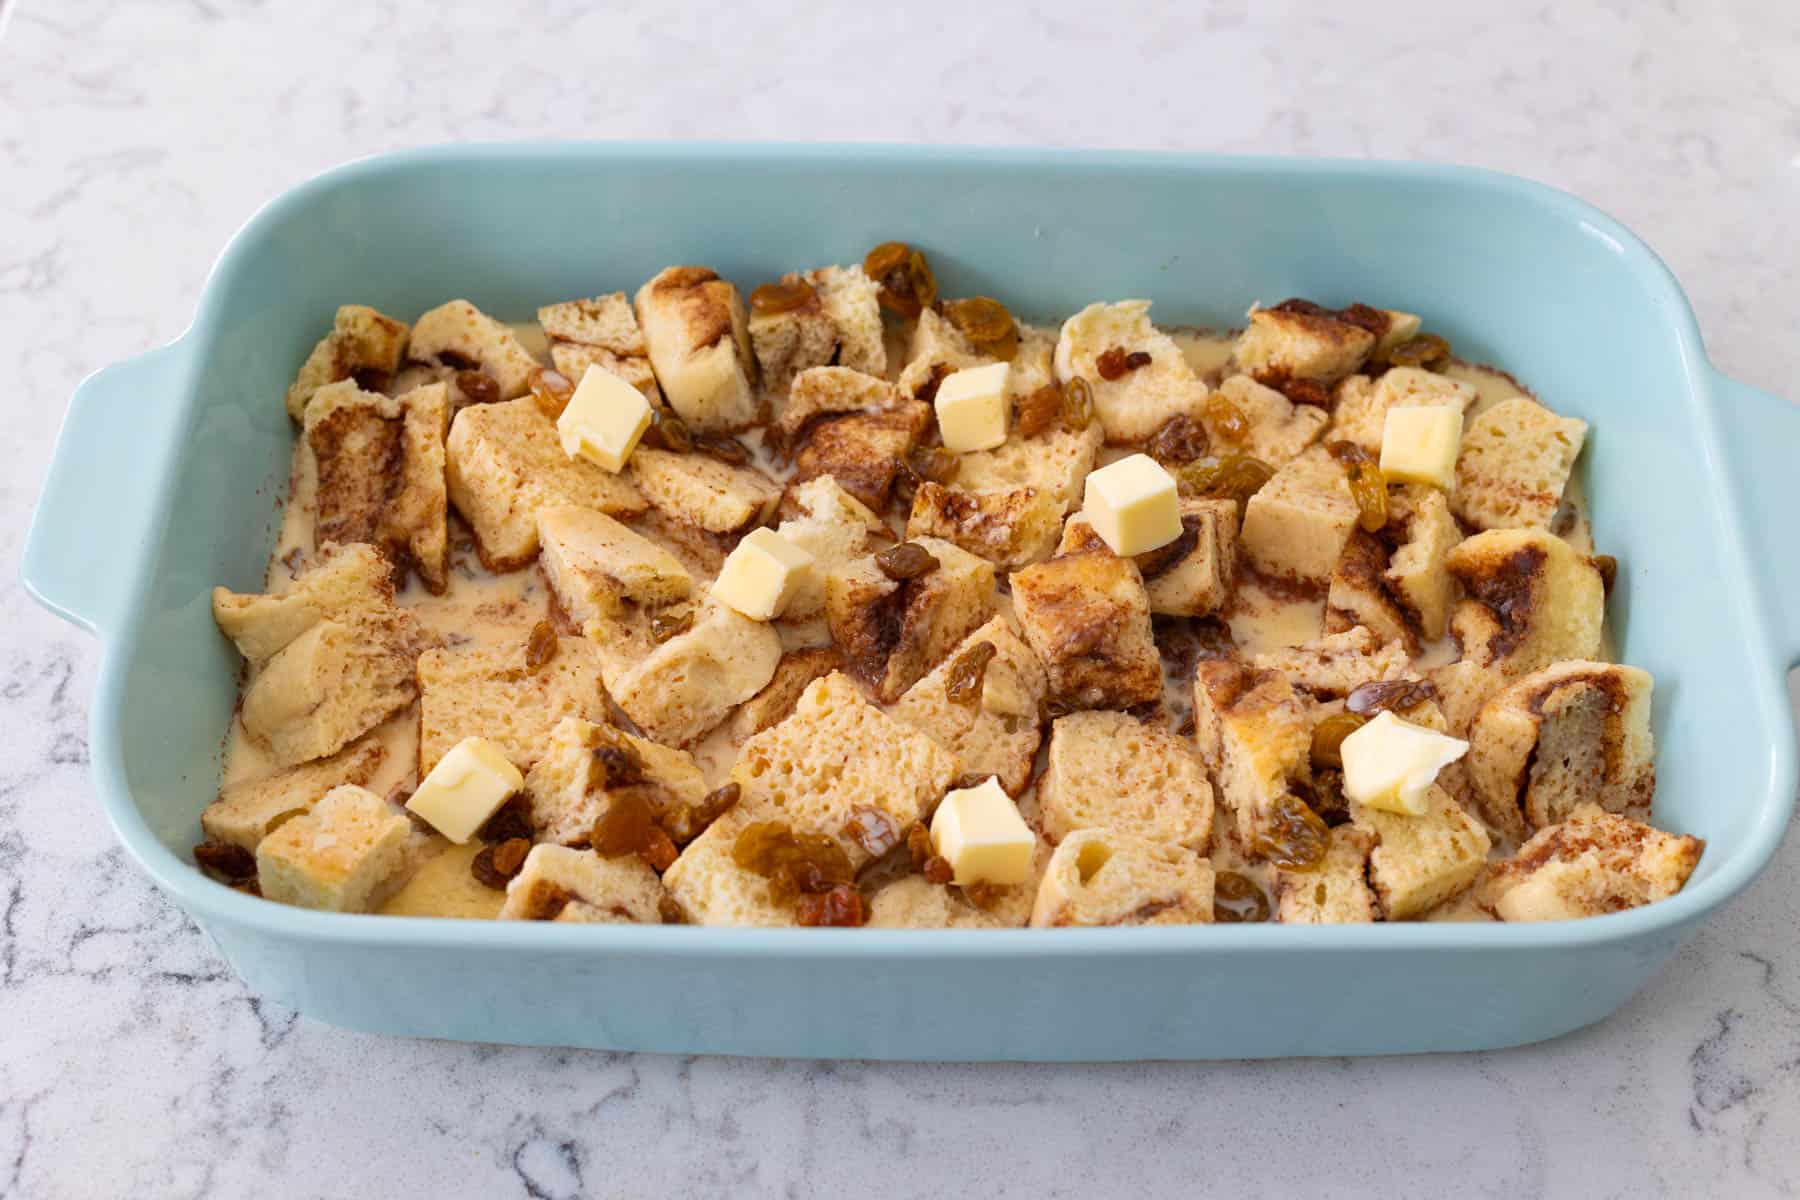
{"points": [[94, 513], [1763, 433]]}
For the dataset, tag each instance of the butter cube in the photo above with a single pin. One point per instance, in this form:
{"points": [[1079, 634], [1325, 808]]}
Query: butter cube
{"points": [[972, 408], [1391, 765], [980, 832], [763, 574], [468, 785], [1419, 444], [1132, 505], [604, 420]]}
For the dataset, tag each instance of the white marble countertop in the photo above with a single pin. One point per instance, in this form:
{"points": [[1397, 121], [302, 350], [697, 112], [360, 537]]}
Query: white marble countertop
{"points": [[135, 137]]}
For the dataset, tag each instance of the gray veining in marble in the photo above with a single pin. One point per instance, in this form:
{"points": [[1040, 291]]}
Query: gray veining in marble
{"points": [[134, 137]]}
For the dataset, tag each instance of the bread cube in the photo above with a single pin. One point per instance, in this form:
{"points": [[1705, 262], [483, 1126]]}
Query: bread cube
{"points": [[1515, 461], [1033, 365], [914, 902], [569, 788], [505, 464], [819, 392], [1286, 343], [937, 349], [345, 854], [1133, 405], [1418, 574], [1191, 576], [1532, 600], [601, 332], [458, 334], [1056, 463], [1088, 618], [995, 734], [1336, 664], [249, 810], [1255, 739], [863, 451], [893, 631], [560, 883], [1297, 525], [1113, 772], [1592, 863], [691, 682], [351, 584], [835, 528], [839, 325], [1010, 529], [328, 687], [1421, 861], [712, 889], [1279, 428], [776, 700], [491, 692], [1359, 595], [597, 567], [1361, 412], [1102, 877], [701, 490], [362, 343], [699, 343], [1570, 734], [1337, 891]]}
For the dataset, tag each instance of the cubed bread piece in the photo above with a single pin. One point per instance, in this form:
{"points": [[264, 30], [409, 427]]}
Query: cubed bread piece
{"points": [[1255, 739], [937, 349], [1532, 600], [505, 464], [417, 526], [362, 343], [835, 528], [570, 787], [1113, 772], [459, 334], [1297, 524], [1418, 575], [1088, 618], [600, 332], [598, 567], [914, 902], [1283, 343], [995, 731], [1279, 428], [893, 631], [839, 324], [1101, 877], [345, 854], [1421, 861], [1191, 576], [771, 706], [1360, 595], [491, 692], [1033, 364], [1515, 461], [1334, 665], [1361, 412], [1134, 405], [819, 392], [1570, 734], [1593, 863], [247, 811], [1057, 463], [1463, 687], [1010, 529], [691, 682], [699, 341], [863, 451], [561, 883], [328, 687], [351, 584], [701, 490], [712, 889], [1337, 891]]}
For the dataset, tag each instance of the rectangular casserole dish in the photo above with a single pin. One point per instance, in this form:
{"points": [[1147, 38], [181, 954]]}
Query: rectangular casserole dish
{"points": [[171, 468]]}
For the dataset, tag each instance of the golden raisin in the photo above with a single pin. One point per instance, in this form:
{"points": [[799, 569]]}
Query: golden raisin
{"points": [[726, 449], [987, 325], [477, 387], [1394, 695], [1036, 413], [918, 845], [1428, 350], [670, 622], [551, 389], [934, 463], [670, 911], [509, 855], [541, 646], [967, 673], [789, 294], [620, 765], [658, 850], [1234, 477], [625, 827], [1296, 837], [842, 906], [686, 822], [512, 820], [1077, 404], [1328, 738], [793, 863], [1367, 485], [1237, 899], [939, 870], [1306, 391], [872, 829], [1180, 439], [906, 560], [669, 432], [905, 279], [225, 860], [1226, 419]]}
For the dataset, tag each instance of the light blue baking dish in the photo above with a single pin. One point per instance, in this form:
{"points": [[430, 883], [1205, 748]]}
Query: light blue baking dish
{"points": [[169, 475]]}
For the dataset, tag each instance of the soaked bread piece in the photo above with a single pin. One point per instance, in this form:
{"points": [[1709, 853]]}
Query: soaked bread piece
{"points": [[1533, 600], [363, 344], [1593, 863], [458, 333], [1515, 462], [1133, 404], [560, 883], [1102, 877], [1113, 772]]}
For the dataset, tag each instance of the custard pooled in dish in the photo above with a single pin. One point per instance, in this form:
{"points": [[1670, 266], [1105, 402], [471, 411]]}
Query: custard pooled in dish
{"points": [[848, 604]]}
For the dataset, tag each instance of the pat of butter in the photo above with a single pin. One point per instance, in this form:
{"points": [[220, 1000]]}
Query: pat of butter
{"points": [[972, 408], [604, 420], [980, 832], [468, 785], [1132, 505], [1390, 764], [762, 575], [1419, 444]]}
